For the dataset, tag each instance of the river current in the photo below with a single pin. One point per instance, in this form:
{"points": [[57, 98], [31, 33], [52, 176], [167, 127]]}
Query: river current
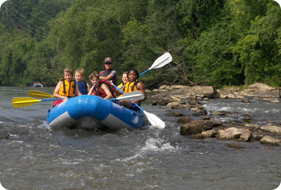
{"points": [[36, 157]]}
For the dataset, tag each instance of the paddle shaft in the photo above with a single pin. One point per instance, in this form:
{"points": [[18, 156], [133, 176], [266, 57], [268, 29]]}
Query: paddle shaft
{"points": [[144, 72]]}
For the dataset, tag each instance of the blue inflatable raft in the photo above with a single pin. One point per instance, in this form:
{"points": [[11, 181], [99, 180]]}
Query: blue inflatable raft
{"points": [[89, 111]]}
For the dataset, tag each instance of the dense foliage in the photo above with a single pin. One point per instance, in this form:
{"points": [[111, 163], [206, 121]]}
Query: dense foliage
{"points": [[213, 42]]}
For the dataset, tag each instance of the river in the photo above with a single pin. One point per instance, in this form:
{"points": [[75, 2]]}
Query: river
{"points": [[36, 157]]}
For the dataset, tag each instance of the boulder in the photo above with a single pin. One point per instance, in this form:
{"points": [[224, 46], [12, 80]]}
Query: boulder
{"points": [[209, 133], [235, 133], [260, 87], [202, 91], [270, 140], [272, 129], [228, 92], [261, 91], [196, 127], [174, 105]]}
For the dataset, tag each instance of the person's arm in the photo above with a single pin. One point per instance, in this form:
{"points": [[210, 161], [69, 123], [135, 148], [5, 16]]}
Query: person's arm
{"points": [[77, 90], [140, 86], [91, 90], [107, 91], [109, 77], [88, 88], [56, 92]]}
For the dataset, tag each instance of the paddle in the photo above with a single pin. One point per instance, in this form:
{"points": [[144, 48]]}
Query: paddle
{"points": [[153, 119], [39, 94], [136, 95], [160, 62], [27, 101]]}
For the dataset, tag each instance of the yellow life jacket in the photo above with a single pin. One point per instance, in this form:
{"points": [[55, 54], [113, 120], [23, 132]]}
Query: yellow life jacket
{"points": [[67, 88], [130, 87]]}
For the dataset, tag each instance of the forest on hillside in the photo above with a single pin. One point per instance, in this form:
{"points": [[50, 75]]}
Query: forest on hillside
{"points": [[212, 42]]}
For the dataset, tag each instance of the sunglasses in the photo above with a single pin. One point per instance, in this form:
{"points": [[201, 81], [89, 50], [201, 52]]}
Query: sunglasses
{"points": [[108, 63]]}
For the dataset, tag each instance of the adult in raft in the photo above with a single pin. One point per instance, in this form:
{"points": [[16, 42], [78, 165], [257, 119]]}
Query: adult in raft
{"points": [[108, 74], [131, 86], [66, 87], [99, 88]]}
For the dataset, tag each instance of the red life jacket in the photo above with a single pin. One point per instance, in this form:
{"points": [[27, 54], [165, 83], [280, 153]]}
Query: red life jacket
{"points": [[99, 91]]}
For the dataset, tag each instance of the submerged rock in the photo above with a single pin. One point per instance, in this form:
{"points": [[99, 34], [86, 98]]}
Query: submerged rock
{"points": [[233, 145], [5, 136]]}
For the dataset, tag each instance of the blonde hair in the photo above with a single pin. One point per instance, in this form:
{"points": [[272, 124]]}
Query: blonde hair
{"points": [[94, 75], [68, 71], [81, 71]]}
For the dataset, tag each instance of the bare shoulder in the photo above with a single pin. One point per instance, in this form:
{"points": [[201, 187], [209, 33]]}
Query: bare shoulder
{"points": [[140, 84]]}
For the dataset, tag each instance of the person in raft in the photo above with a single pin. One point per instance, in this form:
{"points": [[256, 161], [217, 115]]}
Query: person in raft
{"points": [[131, 86], [108, 74], [83, 86], [101, 89], [124, 80], [66, 88]]}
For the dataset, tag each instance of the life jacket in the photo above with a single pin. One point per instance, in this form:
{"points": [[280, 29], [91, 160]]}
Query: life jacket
{"points": [[66, 89], [100, 92], [121, 85], [107, 72], [82, 87], [130, 87]]}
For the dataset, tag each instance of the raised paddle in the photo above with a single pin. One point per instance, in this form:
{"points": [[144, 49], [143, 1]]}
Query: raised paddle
{"points": [[160, 62], [39, 94], [27, 101]]}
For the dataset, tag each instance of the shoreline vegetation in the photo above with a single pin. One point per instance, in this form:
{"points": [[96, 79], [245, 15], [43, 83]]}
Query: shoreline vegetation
{"points": [[212, 42], [191, 97]]}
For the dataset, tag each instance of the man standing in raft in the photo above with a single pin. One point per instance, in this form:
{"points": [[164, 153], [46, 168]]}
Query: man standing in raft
{"points": [[108, 74], [131, 86], [66, 87]]}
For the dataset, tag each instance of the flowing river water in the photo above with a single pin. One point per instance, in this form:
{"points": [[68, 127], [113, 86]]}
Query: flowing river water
{"points": [[36, 157]]}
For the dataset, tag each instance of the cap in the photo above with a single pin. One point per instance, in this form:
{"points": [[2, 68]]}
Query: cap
{"points": [[107, 60]]}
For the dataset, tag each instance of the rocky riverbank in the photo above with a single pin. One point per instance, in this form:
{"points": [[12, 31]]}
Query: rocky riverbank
{"points": [[209, 126]]}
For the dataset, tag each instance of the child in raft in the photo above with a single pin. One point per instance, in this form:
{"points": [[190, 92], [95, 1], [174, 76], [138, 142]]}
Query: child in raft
{"points": [[66, 87], [131, 86], [124, 80], [99, 88], [83, 86]]}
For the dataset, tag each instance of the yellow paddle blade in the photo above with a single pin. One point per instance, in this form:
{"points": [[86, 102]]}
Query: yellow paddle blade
{"points": [[39, 94], [24, 102]]}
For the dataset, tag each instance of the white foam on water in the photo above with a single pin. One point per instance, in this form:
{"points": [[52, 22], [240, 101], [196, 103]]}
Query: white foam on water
{"points": [[151, 145], [138, 155], [157, 145]]}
